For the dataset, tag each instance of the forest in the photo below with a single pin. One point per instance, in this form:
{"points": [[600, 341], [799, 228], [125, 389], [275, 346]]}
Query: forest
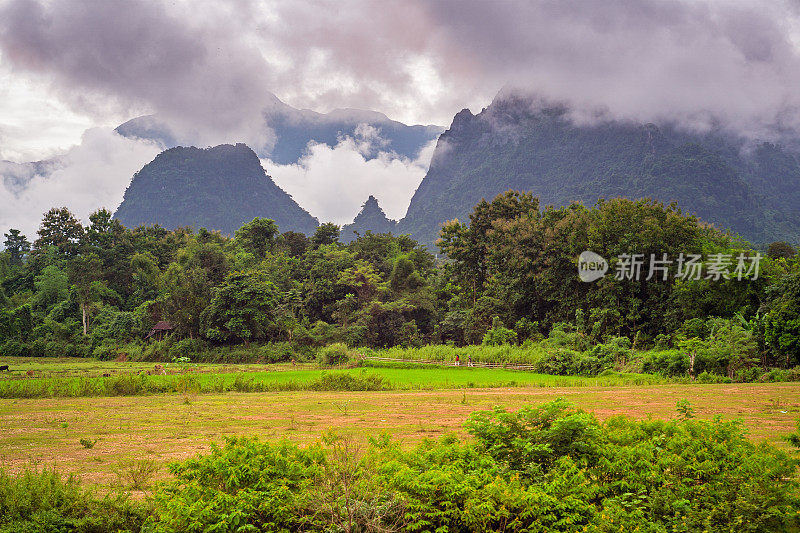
{"points": [[507, 277]]}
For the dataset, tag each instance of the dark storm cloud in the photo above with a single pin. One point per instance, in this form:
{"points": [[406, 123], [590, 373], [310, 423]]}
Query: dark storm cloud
{"points": [[695, 62], [642, 59], [212, 65], [197, 74]]}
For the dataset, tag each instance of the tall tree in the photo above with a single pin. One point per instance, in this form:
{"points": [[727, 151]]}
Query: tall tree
{"points": [[61, 230], [327, 233], [257, 236], [244, 308], [17, 245], [84, 271]]}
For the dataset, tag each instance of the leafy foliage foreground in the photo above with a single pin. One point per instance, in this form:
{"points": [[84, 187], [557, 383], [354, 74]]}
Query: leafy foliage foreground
{"points": [[551, 468]]}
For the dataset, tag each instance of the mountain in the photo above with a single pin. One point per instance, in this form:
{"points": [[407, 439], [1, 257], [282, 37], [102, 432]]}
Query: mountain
{"points": [[370, 218], [295, 128], [217, 188], [519, 143], [16, 176]]}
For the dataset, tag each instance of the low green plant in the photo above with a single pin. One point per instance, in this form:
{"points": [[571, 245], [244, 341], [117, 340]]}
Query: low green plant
{"points": [[333, 355], [547, 468], [43, 500], [137, 474], [685, 409], [88, 443]]}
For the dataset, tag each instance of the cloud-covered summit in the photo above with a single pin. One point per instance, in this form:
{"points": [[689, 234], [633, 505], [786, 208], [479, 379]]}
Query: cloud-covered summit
{"points": [[211, 67]]}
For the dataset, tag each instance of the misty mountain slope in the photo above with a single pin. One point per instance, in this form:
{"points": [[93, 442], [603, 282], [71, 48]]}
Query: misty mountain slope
{"points": [[295, 128], [217, 188], [15, 177], [370, 218], [513, 144]]}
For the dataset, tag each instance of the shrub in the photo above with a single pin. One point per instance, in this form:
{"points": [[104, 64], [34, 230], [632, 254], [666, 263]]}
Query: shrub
{"points": [[564, 335], [36, 500], [105, 352], [549, 468], [38, 348], [13, 348], [499, 337], [616, 352], [667, 363], [137, 474], [558, 362], [335, 354], [706, 377], [348, 382], [190, 348], [276, 352]]}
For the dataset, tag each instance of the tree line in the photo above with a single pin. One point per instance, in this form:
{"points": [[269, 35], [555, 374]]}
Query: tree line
{"points": [[508, 275]]}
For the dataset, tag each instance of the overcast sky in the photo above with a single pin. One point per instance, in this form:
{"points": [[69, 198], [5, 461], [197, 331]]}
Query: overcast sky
{"points": [[68, 66]]}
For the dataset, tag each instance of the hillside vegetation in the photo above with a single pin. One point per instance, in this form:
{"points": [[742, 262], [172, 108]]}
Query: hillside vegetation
{"points": [[523, 144]]}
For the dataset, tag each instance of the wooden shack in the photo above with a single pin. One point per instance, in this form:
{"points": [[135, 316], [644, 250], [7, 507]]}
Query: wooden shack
{"points": [[159, 330]]}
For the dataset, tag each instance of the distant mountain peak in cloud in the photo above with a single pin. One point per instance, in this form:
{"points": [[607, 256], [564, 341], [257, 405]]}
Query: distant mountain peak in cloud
{"points": [[293, 129]]}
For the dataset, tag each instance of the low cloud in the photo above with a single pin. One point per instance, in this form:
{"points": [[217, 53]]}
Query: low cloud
{"points": [[209, 68], [188, 62], [92, 175], [333, 182]]}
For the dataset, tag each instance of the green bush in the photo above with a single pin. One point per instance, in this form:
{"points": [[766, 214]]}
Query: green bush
{"points": [[667, 363], [706, 377], [190, 348], [276, 352], [13, 348], [105, 352], [335, 354], [559, 362], [53, 349], [348, 382], [38, 347], [499, 336], [615, 352], [34, 501], [550, 468]]}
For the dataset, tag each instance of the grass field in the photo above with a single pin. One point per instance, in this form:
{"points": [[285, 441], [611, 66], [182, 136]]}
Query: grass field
{"points": [[427, 402], [72, 378]]}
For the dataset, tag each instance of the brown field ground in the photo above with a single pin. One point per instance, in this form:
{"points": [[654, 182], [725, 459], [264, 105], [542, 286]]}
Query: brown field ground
{"points": [[166, 427]]}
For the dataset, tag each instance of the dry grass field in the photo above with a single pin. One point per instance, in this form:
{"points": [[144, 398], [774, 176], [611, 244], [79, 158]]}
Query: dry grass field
{"points": [[164, 427]]}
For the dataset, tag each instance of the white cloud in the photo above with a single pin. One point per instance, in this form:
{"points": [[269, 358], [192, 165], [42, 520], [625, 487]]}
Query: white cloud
{"points": [[88, 177], [333, 183], [33, 124]]}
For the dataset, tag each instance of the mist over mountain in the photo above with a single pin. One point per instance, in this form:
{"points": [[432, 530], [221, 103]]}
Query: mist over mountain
{"points": [[15, 177], [517, 142], [218, 188], [290, 131]]}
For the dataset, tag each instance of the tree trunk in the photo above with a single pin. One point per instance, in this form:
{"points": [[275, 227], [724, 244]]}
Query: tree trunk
{"points": [[83, 313], [692, 355]]}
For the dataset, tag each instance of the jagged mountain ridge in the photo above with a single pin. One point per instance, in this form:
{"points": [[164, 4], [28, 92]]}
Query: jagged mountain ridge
{"points": [[295, 128], [516, 144], [218, 188]]}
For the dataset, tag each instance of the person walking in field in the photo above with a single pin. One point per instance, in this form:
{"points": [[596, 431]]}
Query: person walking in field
{"points": [[458, 363], [469, 360]]}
